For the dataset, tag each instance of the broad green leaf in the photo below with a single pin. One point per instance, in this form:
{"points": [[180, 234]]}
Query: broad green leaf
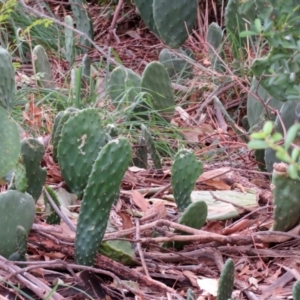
{"points": [[292, 170], [276, 137], [258, 135], [291, 135], [295, 154], [257, 144], [268, 127]]}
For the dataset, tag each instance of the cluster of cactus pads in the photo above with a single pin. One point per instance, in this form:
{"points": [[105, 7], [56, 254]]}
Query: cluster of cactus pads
{"points": [[127, 89], [172, 21]]}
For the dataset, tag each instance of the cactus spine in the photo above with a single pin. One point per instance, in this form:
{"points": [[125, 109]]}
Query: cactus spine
{"points": [[17, 209], [7, 80], [42, 65], [226, 281], [185, 172], [101, 192]]}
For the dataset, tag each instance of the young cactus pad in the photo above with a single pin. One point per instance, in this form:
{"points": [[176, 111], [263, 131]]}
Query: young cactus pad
{"points": [[226, 281], [214, 39], [296, 290], [145, 8], [69, 40], [194, 216], [185, 172], [151, 147], [82, 138], [157, 83], [174, 20], [176, 66], [16, 209], [10, 143], [101, 192], [21, 243], [32, 152], [123, 86], [51, 215], [7, 80], [42, 65], [286, 199]]}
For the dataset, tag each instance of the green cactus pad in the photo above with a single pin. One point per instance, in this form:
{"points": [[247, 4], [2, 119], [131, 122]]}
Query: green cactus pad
{"points": [[174, 20], [185, 172], [101, 192], [20, 254], [256, 110], [288, 118], [214, 39], [123, 86], [157, 83], [177, 67], [120, 251], [226, 281], [141, 155], [286, 199], [296, 290], [82, 138], [7, 80], [194, 216], [16, 209], [83, 22], [10, 143], [42, 65], [59, 123], [20, 177], [151, 147], [32, 152], [51, 216], [69, 41], [145, 8], [86, 69]]}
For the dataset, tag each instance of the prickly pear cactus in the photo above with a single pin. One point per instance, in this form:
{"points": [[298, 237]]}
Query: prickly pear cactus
{"points": [[123, 86], [141, 155], [19, 181], [32, 152], [69, 41], [194, 216], [16, 209], [101, 192], [42, 65], [174, 20], [214, 39], [7, 80], [185, 172], [287, 117], [20, 254], [145, 8], [296, 290], [286, 199], [82, 138], [112, 130], [226, 281], [151, 147], [10, 143], [86, 69], [59, 123], [256, 111], [157, 83], [83, 22], [176, 66], [51, 216]]}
